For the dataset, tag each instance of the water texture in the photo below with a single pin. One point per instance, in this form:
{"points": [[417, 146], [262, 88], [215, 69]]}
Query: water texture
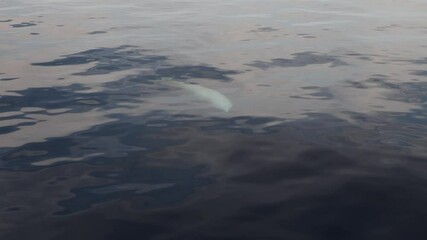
{"points": [[213, 119]]}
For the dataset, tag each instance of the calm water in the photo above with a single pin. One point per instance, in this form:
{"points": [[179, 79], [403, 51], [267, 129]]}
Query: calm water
{"points": [[238, 119]]}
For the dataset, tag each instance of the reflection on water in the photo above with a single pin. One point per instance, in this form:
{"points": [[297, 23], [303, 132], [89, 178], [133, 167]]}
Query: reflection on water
{"points": [[213, 120], [300, 60]]}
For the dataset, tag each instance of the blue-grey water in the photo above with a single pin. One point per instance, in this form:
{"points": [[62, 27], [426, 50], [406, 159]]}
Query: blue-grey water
{"points": [[238, 119]]}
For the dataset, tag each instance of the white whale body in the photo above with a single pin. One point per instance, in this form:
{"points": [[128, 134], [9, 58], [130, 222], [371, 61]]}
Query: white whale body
{"points": [[213, 97]]}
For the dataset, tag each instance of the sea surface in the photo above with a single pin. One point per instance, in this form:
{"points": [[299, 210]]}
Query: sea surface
{"points": [[213, 120]]}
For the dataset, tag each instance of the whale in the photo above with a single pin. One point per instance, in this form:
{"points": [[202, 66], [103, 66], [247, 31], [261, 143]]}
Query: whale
{"points": [[213, 97]]}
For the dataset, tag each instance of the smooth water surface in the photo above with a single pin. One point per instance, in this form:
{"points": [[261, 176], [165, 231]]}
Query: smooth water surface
{"points": [[239, 119]]}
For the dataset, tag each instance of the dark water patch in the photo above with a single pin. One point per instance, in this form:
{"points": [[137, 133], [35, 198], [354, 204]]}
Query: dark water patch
{"points": [[114, 143], [5, 21], [82, 227], [420, 61], [12, 209], [159, 186], [265, 29], [97, 32], [308, 164], [128, 138], [375, 81], [387, 27], [319, 94], [131, 27], [15, 127], [8, 79], [244, 124], [363, 56], [313, 178], [122, 58], [258, 212], [403, 92], [358, 188], [300, 60], [306, 35], [61, 97], [22, 157], [356, 84], [380, 75], [35, 33], [414, 93], [420, 73], [23, 24], [372, 205], [130, 89], [119, 229], [108, 60], [184, 72], [411, 92], [58, 180]]}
